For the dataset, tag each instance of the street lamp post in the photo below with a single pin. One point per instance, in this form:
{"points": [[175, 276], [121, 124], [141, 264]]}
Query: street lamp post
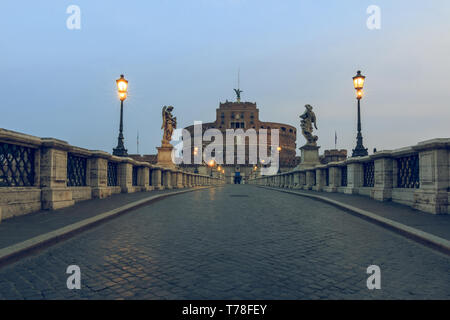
{"points": [[195, 153], [211, 164], [122, 86], [358, 82], [279, 164]]}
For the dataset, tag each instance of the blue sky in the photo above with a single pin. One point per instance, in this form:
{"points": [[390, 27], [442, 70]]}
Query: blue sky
{"points": [[61, 83]]}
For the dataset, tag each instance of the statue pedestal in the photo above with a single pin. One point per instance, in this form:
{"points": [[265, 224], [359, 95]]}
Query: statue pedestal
{"points": [[309, 157], [165, 156]]}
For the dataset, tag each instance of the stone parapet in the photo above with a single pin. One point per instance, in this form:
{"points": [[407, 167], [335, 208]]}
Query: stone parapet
{"points": [[417, 176], [59, 174]]}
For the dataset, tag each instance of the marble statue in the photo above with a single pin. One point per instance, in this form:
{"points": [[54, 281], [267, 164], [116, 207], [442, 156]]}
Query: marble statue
{"points": [[169, 123], [308, 119]]}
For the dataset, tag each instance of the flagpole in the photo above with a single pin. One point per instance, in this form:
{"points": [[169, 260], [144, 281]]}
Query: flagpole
{"points": [[335, 140]]}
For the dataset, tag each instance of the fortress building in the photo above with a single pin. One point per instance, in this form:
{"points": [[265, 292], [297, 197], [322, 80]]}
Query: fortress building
{"points": [[245, 115]]}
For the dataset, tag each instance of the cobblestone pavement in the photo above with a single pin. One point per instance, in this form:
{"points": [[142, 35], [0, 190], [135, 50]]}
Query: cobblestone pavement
{"points": [[24, 227], [438, 225], [235, 242]]}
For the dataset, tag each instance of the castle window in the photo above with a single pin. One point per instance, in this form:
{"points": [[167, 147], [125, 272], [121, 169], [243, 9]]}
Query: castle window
{"points": [[237, 125]]}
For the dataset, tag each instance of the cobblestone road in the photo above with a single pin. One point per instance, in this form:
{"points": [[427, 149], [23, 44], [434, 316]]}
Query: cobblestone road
{"points": [[235, 242]]}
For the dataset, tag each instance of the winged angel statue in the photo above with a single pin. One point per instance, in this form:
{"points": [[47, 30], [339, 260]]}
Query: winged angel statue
{"points": [[169, 123]]}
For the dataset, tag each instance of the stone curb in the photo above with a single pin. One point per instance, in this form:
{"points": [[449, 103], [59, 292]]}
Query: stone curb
{"points": [[425, 238], [15, 252]]}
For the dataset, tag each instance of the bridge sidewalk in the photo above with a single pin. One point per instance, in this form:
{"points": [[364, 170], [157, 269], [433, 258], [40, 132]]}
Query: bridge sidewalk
{"points": [[22, 228], [437, 225]]}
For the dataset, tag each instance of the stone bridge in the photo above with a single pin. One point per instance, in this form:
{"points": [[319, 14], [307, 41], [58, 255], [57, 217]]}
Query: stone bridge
{"points": [[45, 173], [140, 231], [416, 176]]}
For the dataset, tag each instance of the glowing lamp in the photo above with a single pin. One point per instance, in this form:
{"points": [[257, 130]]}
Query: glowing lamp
{"points": [[358, 81], [122, 95], [359, 94], [122, 86]]}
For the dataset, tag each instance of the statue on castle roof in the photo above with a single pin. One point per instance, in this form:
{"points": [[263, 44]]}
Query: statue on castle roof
{"points": [[238, 94]]}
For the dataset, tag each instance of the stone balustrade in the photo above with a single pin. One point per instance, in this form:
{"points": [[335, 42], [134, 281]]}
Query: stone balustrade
{"points": [[44, 173], [416, 176]]}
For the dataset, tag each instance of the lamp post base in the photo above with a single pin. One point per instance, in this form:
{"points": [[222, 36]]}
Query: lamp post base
{"points": [[359, 151], [120, 152]]}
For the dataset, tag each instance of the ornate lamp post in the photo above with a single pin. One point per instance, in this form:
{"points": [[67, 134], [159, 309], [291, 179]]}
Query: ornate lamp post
{"points": [[279, 164], [195, 153], [211, 164], [122, 86], [358, 82]]}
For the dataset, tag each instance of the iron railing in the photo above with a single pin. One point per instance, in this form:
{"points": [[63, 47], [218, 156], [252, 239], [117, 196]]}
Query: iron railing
{"points": [[369, 174], [344, 176], [112, 174], [408, 172], [135, 176], [16, 166], [76, 170]]}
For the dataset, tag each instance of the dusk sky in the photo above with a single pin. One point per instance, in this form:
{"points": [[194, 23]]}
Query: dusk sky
{"points": [[60, 83]]}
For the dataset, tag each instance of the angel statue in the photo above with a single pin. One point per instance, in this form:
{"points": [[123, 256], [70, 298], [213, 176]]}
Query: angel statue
{"points": [[238, 94], [169, 123], [308, 119]]}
